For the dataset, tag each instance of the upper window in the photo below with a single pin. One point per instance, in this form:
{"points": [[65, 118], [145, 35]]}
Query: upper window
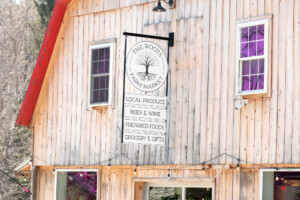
{"points": [[76, 184], [101, 74], [252, 66]]}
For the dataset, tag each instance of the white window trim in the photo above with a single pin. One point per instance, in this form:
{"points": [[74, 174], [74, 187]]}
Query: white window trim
{"points": [[76, 170], [102, 44], [238, 79], [182, 185], [261, 173]]}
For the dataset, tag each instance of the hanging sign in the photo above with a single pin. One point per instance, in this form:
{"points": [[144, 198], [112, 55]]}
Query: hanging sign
{"points": [[145, 100], [145, 116], [144, 138], [145, 113], [145, 119], [135, 125], [147, 66]]}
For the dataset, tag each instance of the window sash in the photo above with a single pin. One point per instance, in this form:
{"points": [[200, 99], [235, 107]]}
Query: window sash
{"points": [[92, 76], [240, 60], [93, 89], [250, 74]]}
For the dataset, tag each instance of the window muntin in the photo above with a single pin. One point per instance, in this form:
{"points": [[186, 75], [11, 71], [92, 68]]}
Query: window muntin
{"points": [[252, 57], [82, 184], [101, 74]]}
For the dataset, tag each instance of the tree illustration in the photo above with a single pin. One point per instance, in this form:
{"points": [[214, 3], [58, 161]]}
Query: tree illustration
{"points": [[147, 60]]}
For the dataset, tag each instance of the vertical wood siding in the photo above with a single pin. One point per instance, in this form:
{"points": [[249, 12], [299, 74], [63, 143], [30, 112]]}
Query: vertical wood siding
{"points": [[230, 184], [202, 122]]}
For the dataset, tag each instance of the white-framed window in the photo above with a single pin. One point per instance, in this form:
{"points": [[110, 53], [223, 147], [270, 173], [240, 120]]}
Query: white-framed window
{"points": [[280, 184], [76, 184], [252, 76], [178, 191], [101, 73]]}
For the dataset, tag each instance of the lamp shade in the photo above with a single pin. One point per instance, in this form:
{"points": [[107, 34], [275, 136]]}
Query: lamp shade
{"points": [[159, 8]]}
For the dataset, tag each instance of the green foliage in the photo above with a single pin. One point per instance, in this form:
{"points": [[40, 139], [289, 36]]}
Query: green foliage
{"points": [[171, 197], [44, 9]]}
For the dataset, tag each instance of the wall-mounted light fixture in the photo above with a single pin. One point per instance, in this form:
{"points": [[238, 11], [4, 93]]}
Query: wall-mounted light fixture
{"points": [[159, 8]]}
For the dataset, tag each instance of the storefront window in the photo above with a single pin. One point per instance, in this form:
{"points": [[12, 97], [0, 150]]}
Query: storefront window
{"points": [[281, 184], [177, 192], [73, 185]]}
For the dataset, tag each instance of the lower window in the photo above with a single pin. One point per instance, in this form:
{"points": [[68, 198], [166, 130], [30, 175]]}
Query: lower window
{"points": [[76, 184], [281, 184], [178, 192]]}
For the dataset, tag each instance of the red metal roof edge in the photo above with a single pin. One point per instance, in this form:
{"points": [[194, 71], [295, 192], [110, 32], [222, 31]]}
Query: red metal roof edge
{"points": [[39, 72]]}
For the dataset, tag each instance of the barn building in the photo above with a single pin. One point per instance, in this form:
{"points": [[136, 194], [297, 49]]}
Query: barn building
{"points": [[182, 99]]}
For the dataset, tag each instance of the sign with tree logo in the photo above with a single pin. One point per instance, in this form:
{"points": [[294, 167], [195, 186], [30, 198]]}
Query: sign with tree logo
{"points": [[145, 116], [147, 66]]}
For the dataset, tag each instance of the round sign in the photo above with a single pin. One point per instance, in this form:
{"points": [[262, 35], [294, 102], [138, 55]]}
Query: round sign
{"points": [[147, 66]]}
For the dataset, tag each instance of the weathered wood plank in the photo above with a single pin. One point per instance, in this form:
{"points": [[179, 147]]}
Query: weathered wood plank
{"points": [[274, 100], [74, 93], [216, 78], [204, 83], [60, 105], [231, 134], [197, 57], [70, 91], [282, 81], [192, 93], [185, 90], [296, 99], [86, 121], [224, 80], [211, 80], [289, 85], [79, 69], [179, 148]]}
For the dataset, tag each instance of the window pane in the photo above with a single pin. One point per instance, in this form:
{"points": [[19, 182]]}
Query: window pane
{"points": [[107, 53], [254, 67], [261, 66], [165, 193], [260, 48], [95, 54], [261, 82], [96, 83], [199, 193], [246, 67], [246, 83], [252, 33], [252, 49], [102, 82], [261, 32], [101, 53], [76, 185], [244, 34], [253, 82], [106, 66], [101, 96], [244, 50], [96, 96]]}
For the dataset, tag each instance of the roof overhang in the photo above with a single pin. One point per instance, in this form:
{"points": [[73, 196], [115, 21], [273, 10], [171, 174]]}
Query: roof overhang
{"points": [[24, 169], [39, 72]]}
